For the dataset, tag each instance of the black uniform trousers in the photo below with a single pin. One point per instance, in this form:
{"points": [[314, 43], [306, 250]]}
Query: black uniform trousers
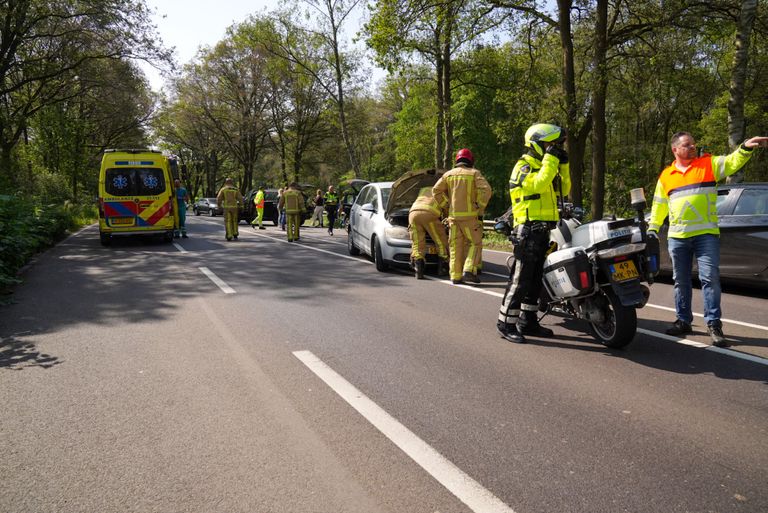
{"points": [[524, 287]]}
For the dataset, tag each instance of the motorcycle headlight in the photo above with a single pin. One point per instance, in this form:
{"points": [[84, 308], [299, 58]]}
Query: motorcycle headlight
{"points": [[397, 232]]}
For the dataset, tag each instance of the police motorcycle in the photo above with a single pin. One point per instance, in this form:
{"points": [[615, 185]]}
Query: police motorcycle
{"points": [[597, 271]]}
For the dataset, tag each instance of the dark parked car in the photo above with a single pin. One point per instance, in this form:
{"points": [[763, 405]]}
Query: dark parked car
{"points": [[743, 212], [348, 191], [207, 206], [248, 212]]}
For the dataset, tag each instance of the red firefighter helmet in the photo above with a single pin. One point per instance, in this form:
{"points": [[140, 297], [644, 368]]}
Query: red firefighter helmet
{"points": [[465, 155]]}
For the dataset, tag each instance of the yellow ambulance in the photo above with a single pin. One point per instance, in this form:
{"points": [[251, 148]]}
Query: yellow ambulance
{"points": [[136, 194]]}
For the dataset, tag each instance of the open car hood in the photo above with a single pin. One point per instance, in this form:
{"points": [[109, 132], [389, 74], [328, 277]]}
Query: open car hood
{"points": [[405, 189]]}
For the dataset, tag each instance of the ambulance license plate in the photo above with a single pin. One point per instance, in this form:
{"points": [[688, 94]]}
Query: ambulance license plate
{"points": [[622, 271], [121, 221]]}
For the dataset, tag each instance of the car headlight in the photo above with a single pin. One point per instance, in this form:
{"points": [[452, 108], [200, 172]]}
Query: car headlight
{"points": [[397, 232]]}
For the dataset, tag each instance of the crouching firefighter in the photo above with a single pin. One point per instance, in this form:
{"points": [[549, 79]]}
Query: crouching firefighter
{"points": [[538, 177], [423, 218]]}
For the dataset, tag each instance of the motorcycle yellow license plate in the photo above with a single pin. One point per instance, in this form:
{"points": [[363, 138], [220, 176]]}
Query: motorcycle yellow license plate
{"points": [[621, 271]]}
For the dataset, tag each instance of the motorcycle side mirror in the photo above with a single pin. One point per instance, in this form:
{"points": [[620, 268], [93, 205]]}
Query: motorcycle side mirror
{"points": [[637, 197]]}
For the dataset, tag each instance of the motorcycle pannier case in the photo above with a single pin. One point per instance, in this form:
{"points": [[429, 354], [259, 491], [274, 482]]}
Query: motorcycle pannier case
{"points": [[568, 273]]}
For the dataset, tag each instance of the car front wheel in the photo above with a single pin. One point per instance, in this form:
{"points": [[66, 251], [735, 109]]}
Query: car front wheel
{"points": [[211, 213], [351, 248], [196, 211], [378, 259]]}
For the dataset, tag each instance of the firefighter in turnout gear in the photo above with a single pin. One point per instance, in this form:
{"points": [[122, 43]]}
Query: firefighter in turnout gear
{"points": [[258, 202], [423, 218], [538, 179], [293, 202], [230, 200], [464, 193]]}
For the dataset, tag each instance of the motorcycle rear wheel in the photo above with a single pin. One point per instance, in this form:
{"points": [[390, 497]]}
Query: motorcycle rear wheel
{"points": [[620, 324]]}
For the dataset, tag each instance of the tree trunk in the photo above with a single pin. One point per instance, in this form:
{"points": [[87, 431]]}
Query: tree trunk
{"points": [[736, 124], [447, 97], [576, 144], [440, 100], [351, 152], [598, 110]]}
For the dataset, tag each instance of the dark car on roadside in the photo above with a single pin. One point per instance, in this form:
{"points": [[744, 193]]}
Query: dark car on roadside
{"points": [[348, 191], [248, 212], [207, 206], [742, 209]]}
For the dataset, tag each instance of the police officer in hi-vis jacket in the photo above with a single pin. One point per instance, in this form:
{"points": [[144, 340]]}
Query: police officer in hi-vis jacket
{"points": [[538, 179]]}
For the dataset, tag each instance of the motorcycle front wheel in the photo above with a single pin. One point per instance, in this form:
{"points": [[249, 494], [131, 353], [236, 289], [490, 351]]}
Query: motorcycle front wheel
{"points": [[620, 322]]}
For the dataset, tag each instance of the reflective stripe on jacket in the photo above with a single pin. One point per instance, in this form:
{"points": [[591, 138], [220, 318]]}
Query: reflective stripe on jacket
{"points": [[293, 201], [532, 188], [229, 197], [463, 191], [690, 197], [426, 202]]}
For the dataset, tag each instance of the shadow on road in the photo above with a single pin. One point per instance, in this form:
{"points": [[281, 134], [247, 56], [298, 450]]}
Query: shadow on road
{"points": [[660, 354], [17, 355]]}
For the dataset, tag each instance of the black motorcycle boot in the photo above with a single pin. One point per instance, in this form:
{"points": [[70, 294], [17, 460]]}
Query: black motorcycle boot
{"points": [[510, 332], [528, 324], [418, 267]]}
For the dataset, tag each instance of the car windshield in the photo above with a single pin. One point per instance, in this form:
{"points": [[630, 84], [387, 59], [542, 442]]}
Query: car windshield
{"points": [[211, 200], [385, 195]]}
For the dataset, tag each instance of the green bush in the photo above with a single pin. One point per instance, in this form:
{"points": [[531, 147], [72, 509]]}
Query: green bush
{"points": [[26, 228]]}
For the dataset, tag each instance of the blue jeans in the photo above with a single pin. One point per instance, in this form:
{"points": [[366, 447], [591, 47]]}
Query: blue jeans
{"points": [[706, 248]]}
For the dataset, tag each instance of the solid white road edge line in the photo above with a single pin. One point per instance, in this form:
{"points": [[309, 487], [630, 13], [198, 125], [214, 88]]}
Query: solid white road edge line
{"points": [[725, 351], [663, 336], [466, 489], [299, 244], [740, 323], [218, 281]]}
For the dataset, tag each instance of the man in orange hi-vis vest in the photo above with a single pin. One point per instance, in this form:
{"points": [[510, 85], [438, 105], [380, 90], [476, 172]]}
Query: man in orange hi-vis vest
{"points": [[687, 192]]}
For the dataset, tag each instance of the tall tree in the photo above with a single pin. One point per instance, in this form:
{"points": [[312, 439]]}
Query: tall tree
{"points": [[415, 32], [45, 43], [736, 123]]}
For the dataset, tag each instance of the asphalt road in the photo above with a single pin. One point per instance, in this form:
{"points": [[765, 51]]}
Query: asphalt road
{"points": [[263, 376]]}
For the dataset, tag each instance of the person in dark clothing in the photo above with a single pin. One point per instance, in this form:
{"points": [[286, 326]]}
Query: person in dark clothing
{"points": [[331, 201]]}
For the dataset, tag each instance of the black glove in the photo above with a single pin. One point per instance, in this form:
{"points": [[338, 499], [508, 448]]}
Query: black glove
{"points": [[560, 153], [651, 234]]}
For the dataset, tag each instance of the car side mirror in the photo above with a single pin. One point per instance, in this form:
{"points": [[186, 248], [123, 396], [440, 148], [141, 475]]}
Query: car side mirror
{"points": [[368, 207]]}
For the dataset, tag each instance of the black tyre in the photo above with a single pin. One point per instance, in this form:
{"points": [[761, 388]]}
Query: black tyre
{"points": [[196, 211], [381, 265], [211, 213], [105, 239], [620, 324], [276, 218], [351, 248]]}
